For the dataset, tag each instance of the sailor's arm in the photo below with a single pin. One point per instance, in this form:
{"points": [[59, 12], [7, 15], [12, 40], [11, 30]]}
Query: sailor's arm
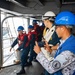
{"points": [[50, 48], [55, 47], [61, 61]]}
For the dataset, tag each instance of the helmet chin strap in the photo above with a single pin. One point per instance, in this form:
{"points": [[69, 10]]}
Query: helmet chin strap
{"points": [[51, 19]]}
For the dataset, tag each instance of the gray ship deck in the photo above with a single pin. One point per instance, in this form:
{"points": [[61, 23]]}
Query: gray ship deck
{"points": [[35, 69]]}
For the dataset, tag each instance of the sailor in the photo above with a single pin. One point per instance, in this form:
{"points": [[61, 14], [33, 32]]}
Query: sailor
{"points": [[32, 37], [37, 29], [48, 20], [23, 47], [64, 59], [49, 34]]}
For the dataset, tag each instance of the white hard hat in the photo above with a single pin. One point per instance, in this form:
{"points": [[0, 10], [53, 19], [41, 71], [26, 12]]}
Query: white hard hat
{"points": [[49, 15]]}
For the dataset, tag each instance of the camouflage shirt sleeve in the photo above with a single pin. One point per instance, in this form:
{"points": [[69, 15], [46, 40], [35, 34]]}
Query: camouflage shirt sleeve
{"points": [[61, 61]]}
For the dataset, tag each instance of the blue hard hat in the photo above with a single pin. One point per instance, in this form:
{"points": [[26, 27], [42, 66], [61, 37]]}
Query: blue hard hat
{"points": [[65, 18], [30, 26], [34, 21], [20, 28]]}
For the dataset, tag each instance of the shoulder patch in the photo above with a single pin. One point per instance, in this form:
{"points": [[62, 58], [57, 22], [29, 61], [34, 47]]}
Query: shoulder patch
{"points": [[56, 64]]}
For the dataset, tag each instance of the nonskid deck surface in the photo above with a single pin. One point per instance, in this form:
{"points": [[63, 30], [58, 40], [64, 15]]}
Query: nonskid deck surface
{"points": [[35, 69]]}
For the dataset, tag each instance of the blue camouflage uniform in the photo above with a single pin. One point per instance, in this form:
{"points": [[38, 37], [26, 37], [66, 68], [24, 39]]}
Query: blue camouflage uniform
{"points": [[64, 60]]}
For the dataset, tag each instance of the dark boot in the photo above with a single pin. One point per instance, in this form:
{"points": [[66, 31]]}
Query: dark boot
{"points": [[22, 71]]}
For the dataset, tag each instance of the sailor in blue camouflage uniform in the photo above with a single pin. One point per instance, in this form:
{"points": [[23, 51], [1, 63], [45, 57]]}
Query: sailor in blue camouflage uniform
{"points": [[64, 59]]}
